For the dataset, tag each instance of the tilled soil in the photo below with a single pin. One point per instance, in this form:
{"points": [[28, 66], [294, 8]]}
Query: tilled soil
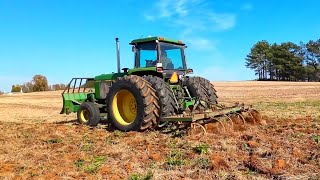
{"points": [[37, 142], [279, 149]]}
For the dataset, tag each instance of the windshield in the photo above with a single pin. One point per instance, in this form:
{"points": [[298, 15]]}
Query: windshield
{"points": [[171, 56], [146, 55]]}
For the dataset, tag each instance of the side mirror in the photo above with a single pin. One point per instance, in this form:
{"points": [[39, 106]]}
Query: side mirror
{"points": [[133, 48]]}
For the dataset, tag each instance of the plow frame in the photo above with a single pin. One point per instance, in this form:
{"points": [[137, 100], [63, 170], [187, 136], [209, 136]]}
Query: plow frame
{"points": [[208, 115]]}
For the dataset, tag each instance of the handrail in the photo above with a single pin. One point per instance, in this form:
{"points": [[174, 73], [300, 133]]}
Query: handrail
{"points": [[73, 83]]}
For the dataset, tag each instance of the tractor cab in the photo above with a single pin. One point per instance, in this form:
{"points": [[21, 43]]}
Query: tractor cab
{"points": [[164, 54]]}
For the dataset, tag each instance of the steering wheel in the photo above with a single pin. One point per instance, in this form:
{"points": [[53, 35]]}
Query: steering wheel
{"points": [[170, 65], [150, 62]]}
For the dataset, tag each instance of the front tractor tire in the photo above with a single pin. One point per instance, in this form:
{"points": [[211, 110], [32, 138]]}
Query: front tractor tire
{"points": [[89, 114], [132, 104]]}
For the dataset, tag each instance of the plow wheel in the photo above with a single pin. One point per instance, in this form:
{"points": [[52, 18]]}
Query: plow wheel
{"points": [[165, 95], [132, 104]]}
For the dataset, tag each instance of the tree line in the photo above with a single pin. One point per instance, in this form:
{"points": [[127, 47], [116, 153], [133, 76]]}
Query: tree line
{"points": [[38, 83], [286, 61]]}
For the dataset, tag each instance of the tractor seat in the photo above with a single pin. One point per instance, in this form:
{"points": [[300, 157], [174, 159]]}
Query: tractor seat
{"points": [[125, 70]]}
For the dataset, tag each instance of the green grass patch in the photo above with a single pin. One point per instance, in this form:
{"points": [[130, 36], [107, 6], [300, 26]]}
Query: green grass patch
{"points": [[201, 148], [316, 138], [137, 176], [118, 133], [175, 158], [87, 144], [172, 143], [95, 164], [92, 165], [79, 163]]}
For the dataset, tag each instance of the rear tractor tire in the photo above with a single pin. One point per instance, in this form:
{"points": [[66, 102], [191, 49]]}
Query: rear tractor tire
{"points": [[211, 92], [202, 89], [132, 104], [165, 95], [196, 90], [89, 114]]}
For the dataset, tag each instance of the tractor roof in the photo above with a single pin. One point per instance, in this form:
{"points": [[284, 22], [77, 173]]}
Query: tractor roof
{"points": [[161, 39]]}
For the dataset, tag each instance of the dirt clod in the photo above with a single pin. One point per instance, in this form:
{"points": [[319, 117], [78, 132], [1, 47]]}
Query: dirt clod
{"points": [[296, 152], [279, 164], [156, 157], [255, 164], [253, 144], [213, 128], [247, 137], [218, 162], [105, 170]]}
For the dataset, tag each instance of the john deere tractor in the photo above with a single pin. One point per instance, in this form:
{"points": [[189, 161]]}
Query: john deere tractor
{"points": [[157, 90]]}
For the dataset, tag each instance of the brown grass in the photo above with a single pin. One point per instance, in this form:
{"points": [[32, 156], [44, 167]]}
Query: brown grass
{"points": [[33, 107], [275, 99], [37, 142]]}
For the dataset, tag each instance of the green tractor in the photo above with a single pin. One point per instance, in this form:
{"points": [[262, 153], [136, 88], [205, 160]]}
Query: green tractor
{"points": [[157, 90]]}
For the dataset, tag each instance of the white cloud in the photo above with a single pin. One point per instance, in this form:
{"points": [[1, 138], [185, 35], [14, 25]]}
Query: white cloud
{"points": [[180, 8], [169, 8], [223, 21], [199, 43], [191, 15], [194, 19], [247, 7], [149, 17]]}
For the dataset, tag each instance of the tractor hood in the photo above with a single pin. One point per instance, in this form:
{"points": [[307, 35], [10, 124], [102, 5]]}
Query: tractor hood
{"points": [[111, 76]]}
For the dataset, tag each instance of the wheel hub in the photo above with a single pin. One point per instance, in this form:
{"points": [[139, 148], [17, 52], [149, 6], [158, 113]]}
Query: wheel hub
{"points": [[124, 107]]}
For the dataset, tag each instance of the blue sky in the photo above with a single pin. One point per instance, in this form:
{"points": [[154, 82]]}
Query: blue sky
{"points": [[63, 39]]}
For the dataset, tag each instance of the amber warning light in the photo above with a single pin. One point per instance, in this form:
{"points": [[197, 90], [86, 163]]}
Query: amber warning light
{"points": [[174, 78]]}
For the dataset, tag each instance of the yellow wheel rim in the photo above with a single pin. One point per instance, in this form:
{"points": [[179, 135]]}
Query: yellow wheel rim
{"points": [[124, 107], [84, 115]]}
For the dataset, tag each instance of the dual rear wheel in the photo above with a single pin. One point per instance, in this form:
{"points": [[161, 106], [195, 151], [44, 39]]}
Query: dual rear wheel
{"points": [[202, 89], [133, 104]]}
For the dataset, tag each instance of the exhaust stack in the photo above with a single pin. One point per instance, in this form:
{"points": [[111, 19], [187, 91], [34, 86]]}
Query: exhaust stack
{"points": [[118, 54]]}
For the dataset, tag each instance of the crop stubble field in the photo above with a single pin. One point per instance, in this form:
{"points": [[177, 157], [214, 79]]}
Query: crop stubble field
{"points": [[37, 142]]}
